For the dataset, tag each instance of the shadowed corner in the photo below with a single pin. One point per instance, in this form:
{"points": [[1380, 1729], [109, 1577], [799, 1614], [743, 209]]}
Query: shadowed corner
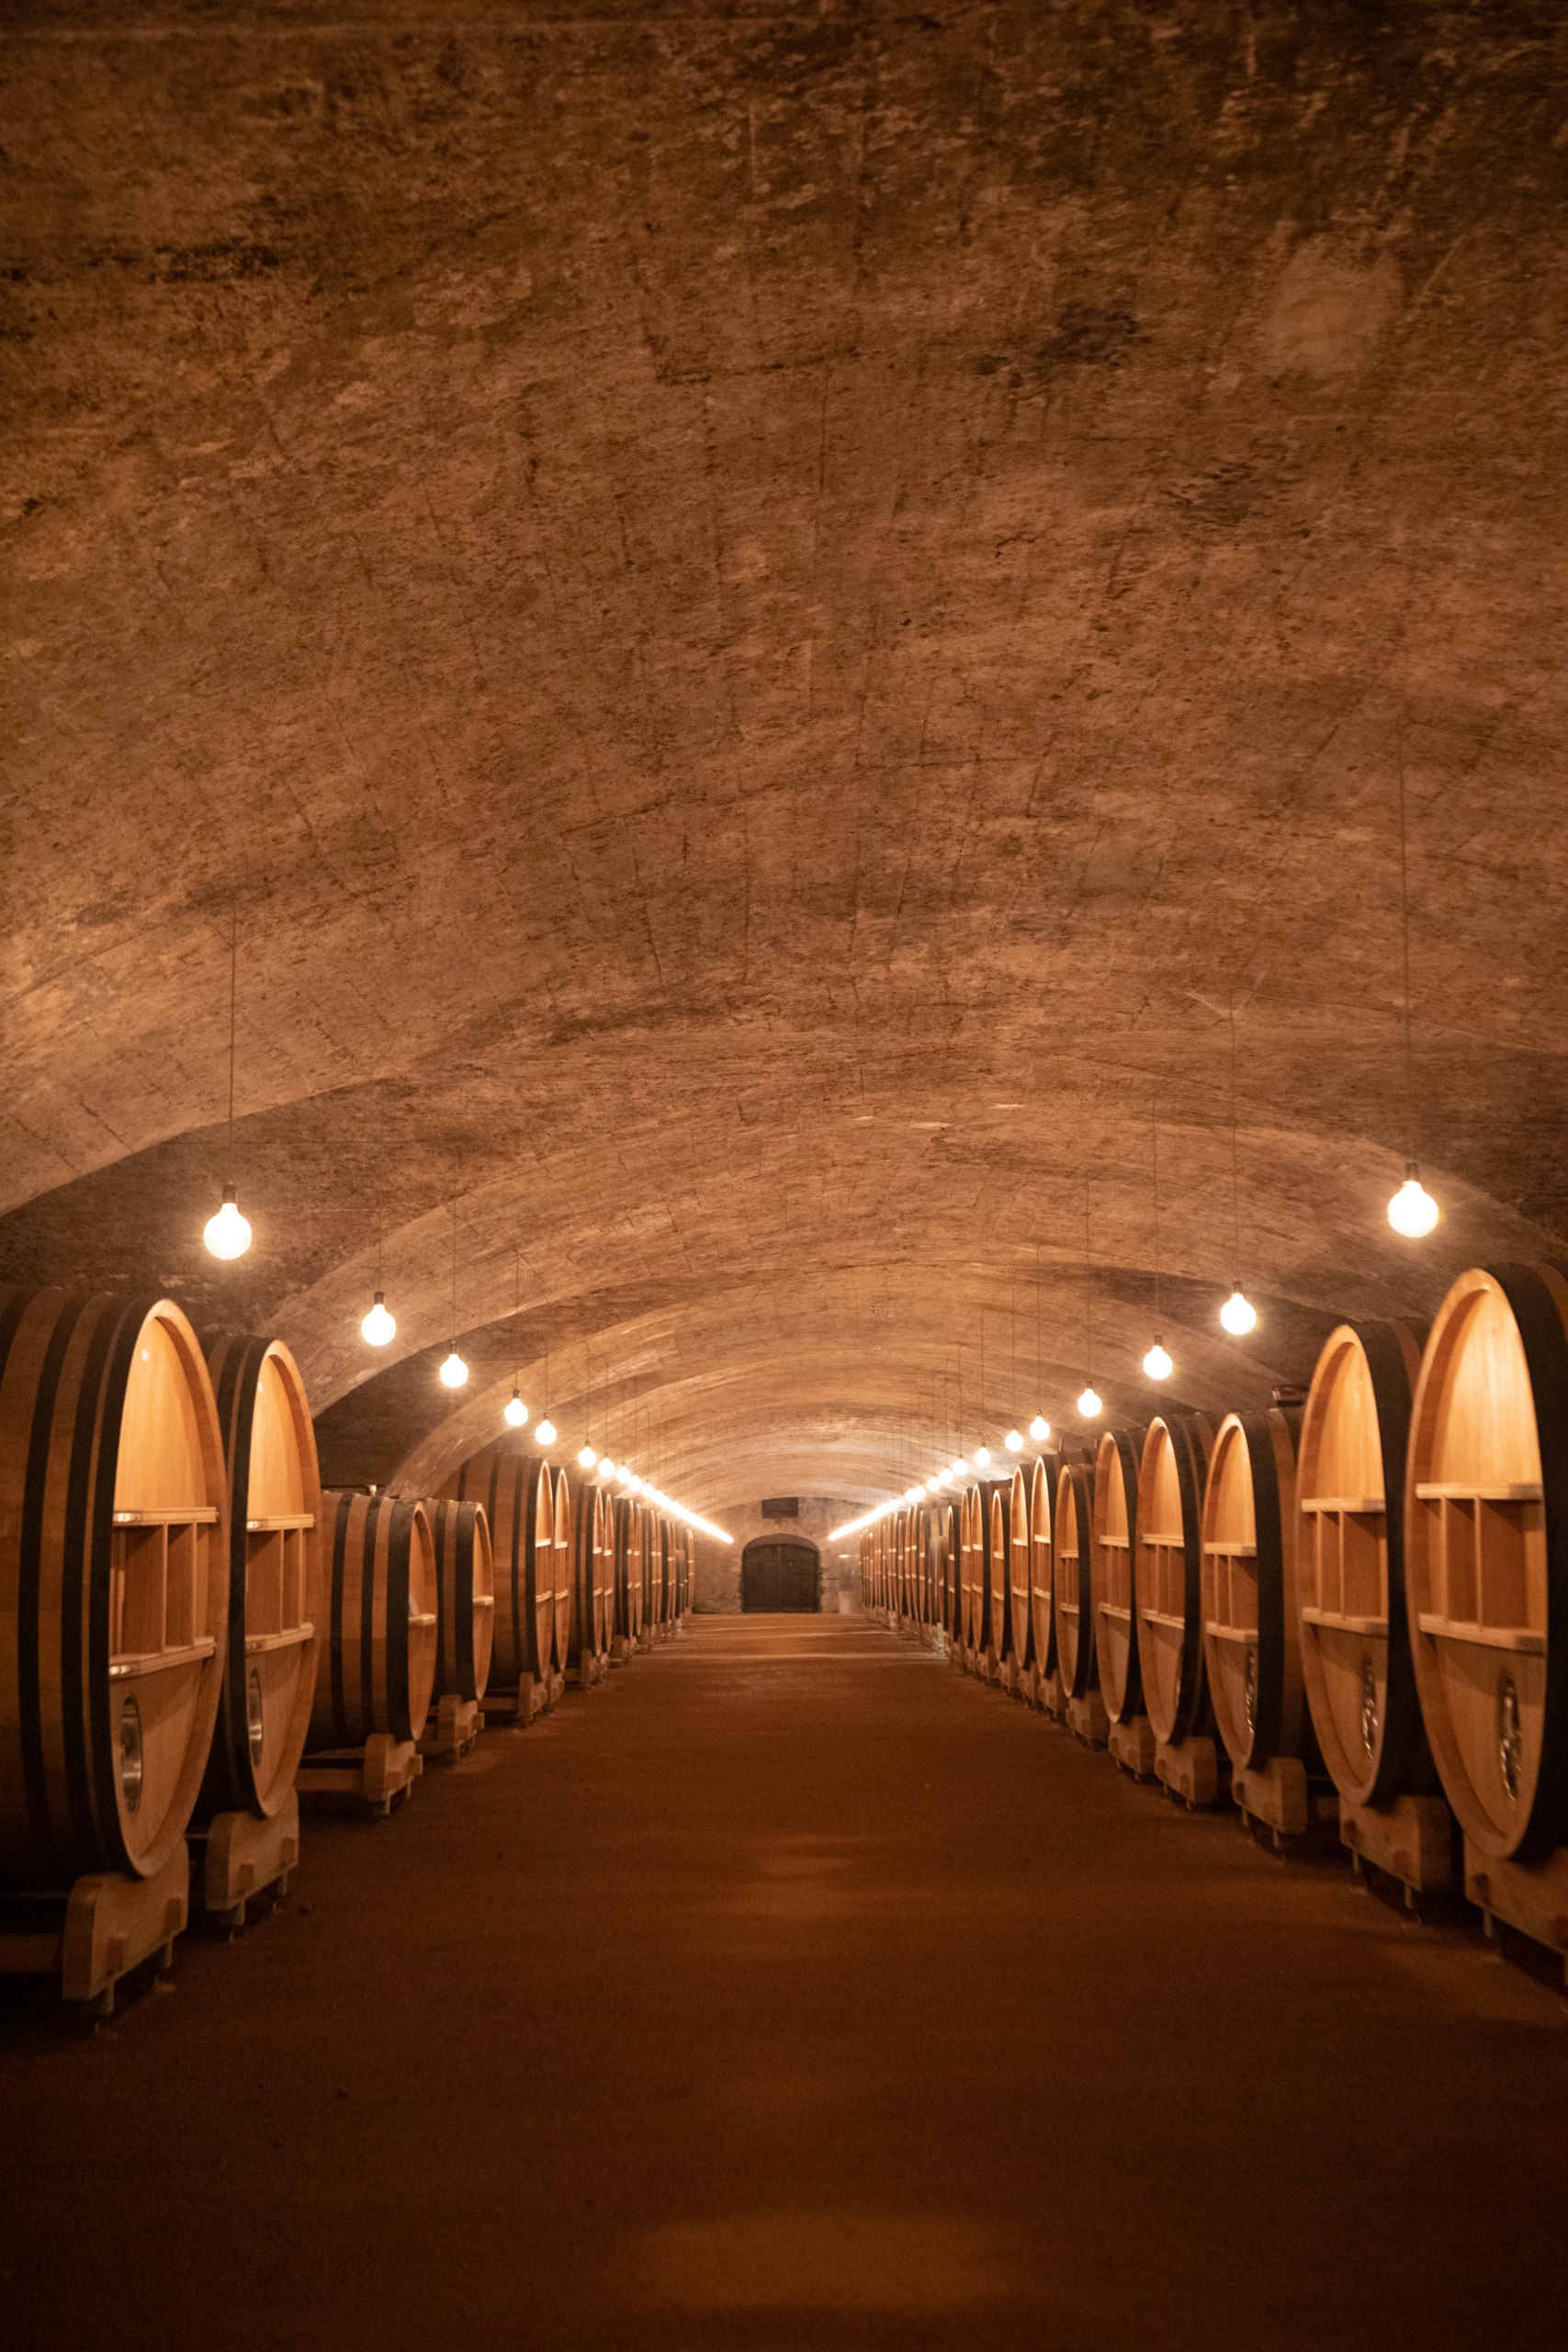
{"points": [[907, 2264]]}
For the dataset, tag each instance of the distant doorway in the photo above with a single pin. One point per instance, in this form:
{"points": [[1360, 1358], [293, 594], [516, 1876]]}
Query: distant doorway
{"points": [[781, 1576]]}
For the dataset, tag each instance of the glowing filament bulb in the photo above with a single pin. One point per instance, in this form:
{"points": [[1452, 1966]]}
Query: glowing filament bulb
{"points": [[606, 1467], [516, 1411], [1014, 1441], [1413, 1211], [1156, 1363], [1040, 1428], [378, 1327], [586, 1457], [544, 1432], [454, 1372], [1238, 1314], [228, 1234], [1088, 1404], [982, 1456]]}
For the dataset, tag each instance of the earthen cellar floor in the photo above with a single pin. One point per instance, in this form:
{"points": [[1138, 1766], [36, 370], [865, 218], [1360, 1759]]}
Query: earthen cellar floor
{"points": [[790, 1990]]}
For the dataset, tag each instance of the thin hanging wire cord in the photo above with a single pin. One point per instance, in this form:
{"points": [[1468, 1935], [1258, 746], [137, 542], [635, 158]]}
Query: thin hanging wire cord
{"points": [[1405, 930], [1235, 1162], [233, 1001], [1154, 1145], [454, 1266], [1087, 1297]]}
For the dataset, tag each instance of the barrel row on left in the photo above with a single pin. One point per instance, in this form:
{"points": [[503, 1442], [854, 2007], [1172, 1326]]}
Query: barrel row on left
{"points": [[192, 1634]]}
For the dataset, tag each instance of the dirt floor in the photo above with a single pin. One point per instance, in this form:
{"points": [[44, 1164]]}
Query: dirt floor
{"points": [[790, 1990]]}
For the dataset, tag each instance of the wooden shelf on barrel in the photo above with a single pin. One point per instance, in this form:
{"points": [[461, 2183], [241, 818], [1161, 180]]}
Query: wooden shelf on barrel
{"points": [[1167, 1598], [1485, 1566], [107, 1416]]}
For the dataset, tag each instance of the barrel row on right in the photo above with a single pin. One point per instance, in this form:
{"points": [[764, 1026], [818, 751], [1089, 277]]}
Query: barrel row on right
{"points": [[1349, 1615]]}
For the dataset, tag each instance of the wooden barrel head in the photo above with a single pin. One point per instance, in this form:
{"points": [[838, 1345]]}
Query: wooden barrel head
{"points": [[274, 1550], [998, 1610], [1167, 1584], [1022, 1627], [113, 1583], [465, 1587], [1112, 1571], [1356, 1664], [1251, 1610], [1072, 1548], [380, 1599], [1486, 1555], [972, 1568], [516, 1492], [565, 1537], [1041, 1583]]}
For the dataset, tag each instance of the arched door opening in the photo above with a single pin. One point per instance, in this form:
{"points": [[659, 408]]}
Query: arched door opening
{"points": [[781, 1575]]}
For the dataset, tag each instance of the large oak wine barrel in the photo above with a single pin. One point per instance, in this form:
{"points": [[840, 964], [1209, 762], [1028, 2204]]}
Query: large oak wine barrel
{"points": [[1486, 1556], [379, 1599], [516, 1492], [587, 1576], [565, 1545], [114, 1587], [1251, 1608], [1073, 1553], [998, 1571], [275, 1599], [972, 1574], [628, 1568], [465, 1597], [1356, 1660], [1113, 1571], [1167, 1593], [1042, 1582], [1018, 1579]]}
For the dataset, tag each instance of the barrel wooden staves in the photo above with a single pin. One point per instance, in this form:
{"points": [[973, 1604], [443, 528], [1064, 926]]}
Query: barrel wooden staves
{"points": [[564, 1547], [465, 1618], [516, 1492], [1073, 1585], [587, 1584], [973, 1573], [1252, 1619], [1021, 1630], [1042, 1582], [114, 1589], [273, 1559], [377, 1677], [246, 1829], [1356, 1659], [999, 1572], [1112, 1580], [1486, 1583], [1169, 1599]]}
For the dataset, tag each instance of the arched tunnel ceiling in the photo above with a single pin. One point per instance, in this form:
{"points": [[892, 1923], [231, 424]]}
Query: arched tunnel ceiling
{"points": [[768, 619]]}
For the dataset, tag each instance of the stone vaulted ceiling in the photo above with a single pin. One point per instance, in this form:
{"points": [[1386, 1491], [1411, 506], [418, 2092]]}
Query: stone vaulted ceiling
{"points": [[768, 617]]}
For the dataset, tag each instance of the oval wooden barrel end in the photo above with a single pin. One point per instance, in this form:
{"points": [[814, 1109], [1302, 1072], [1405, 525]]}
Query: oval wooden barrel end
{"points": [[274, 1570], [1486, 1556], [1113, 1571], [379, 1599], [116, 1643]]}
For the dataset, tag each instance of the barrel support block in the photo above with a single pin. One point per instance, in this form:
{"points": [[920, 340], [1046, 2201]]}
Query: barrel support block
{"points": [[1412, 1839], [239, 1855], [1530, 1896]]}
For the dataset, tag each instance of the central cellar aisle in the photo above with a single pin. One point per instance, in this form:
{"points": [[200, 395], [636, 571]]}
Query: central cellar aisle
{"points": [[790, 1990]]}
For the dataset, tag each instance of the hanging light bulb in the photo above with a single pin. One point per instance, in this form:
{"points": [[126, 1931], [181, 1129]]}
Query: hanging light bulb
{"points": [[1088, 1404], [944, 1477], [377, 1327], [586, 1457], [1014, 1441], [228, 1234], [516, 1411], [544, 1432], [636, 1484], [1238, 1314], [1413, 1211], [625, 1474], [606, 1467], [961, 1468], [1156, 1363], [1040, 1428], [454, 1372]]}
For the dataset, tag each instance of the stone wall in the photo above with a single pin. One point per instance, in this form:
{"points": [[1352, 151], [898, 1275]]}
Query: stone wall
{"points": [[719, 1565]]}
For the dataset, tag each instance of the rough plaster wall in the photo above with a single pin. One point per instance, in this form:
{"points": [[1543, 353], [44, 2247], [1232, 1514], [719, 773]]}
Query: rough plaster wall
{"points": [[768, 617], [719, 1565]]}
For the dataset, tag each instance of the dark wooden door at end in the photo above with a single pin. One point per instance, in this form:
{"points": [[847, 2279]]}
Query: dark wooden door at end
{"points": [[780, 1577]]}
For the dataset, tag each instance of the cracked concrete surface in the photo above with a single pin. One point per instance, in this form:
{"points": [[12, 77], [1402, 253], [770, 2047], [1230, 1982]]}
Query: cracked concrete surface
{"points": [[769, 617]]}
